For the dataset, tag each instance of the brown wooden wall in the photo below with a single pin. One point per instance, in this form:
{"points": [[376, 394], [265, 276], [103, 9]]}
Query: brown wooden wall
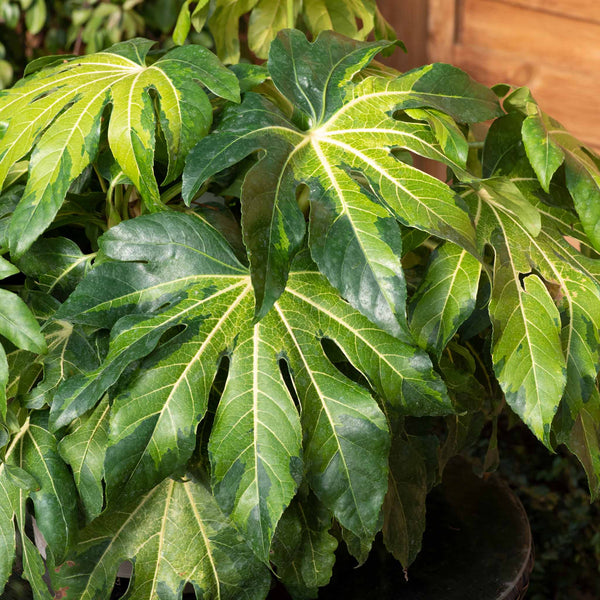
{"points": [[552, 46]]}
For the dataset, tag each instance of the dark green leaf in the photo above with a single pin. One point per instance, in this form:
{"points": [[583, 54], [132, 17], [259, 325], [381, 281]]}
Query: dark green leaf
{"points": [[404, 505], [56, 264], [187, 277], [303, 548], [84, 448]]}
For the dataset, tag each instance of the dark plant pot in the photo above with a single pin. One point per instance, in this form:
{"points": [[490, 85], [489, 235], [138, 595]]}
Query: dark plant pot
{"points": [[477, 546]]}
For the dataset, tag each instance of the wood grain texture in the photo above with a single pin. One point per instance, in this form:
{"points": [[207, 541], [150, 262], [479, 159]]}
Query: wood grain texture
{"points": [[409, 19], [548, 38], [442, 23], [588, 10], [551, 46]]}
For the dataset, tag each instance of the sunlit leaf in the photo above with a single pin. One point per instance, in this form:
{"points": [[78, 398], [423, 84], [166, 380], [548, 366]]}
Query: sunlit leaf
{"points": [[339, 145], [57, 112]]}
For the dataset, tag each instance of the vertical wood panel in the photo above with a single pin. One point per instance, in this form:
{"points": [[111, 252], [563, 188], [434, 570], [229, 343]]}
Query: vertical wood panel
{"points": [[441, 28]]}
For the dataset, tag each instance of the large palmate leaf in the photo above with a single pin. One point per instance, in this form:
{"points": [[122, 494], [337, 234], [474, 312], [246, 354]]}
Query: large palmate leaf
{"points": [[33, 469], [171, 275], [175, 533], [549, 145], [57, 113], [545, 304], [340, 144]]}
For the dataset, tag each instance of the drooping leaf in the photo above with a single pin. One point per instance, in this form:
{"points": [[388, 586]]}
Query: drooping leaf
{"points": [[404, 505], [549, 145], [57, 113], [33, 451], [187, 277], [527, 353], [303, 548], [84, 449], [445, 298], [339, 145], [175, 533], [584, 441]]}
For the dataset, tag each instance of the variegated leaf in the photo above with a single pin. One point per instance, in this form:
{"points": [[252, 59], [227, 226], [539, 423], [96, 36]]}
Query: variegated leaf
{"points": [[175, 533], [340, 144], [174, 270], [57, 113]]}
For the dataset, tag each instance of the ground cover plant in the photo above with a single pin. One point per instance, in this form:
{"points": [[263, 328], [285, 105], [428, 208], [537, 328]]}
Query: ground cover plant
{"points": [[240, 327]]}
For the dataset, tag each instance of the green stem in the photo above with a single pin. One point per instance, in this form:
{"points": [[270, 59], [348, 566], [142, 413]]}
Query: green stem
{"points": [[290, 14], [100, 178], [170, 193]]}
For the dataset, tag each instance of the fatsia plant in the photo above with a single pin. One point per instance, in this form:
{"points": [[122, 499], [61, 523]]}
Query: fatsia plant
{"points": [[258, 339]]}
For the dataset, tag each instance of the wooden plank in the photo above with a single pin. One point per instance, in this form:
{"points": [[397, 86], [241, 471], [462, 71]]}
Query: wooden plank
{"points": [[587, 10], [543, 37], [564, 94], [409, 19]]}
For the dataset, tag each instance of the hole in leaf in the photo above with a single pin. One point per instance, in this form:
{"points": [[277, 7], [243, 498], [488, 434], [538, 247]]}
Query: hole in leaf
{"points": [[523, 277], [200, 457], [284, 368], [340, 361], [400, 115], [171, 333]]}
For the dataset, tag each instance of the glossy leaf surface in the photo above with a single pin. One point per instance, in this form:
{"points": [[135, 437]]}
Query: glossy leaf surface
{"points": [[339, 143], [545, 294], [188, 277]]}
